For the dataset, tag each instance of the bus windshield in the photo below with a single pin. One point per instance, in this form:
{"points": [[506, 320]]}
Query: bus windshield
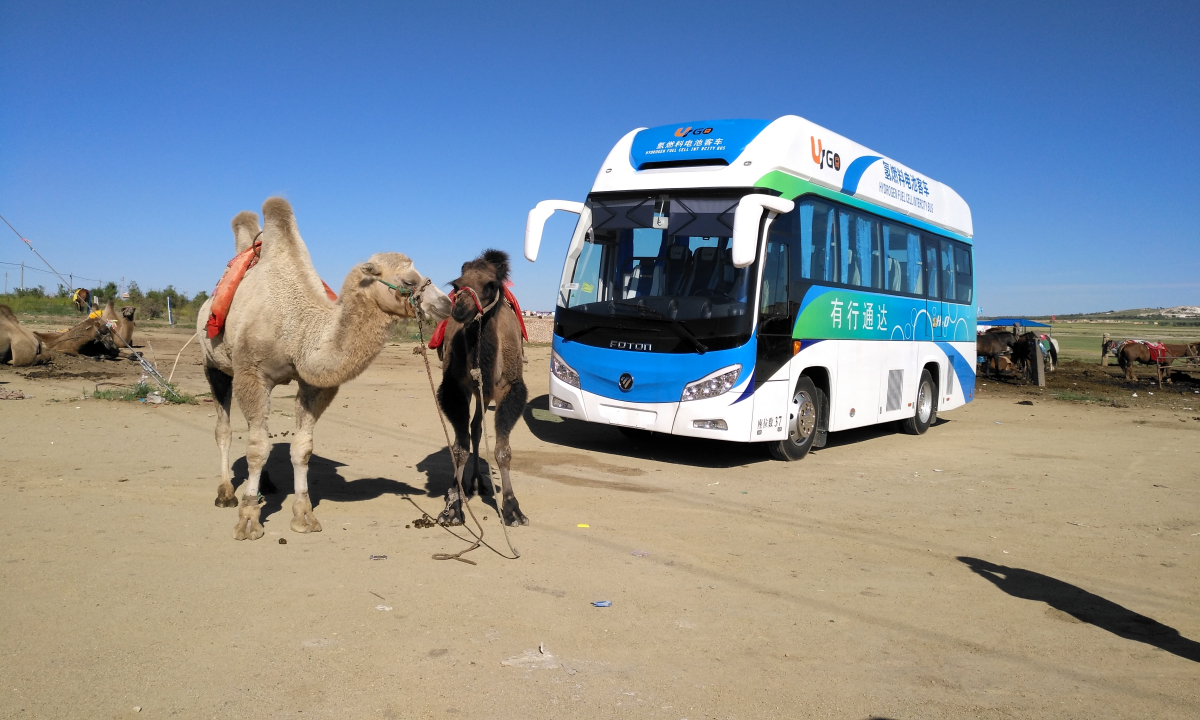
{"points": [[662, 258]]}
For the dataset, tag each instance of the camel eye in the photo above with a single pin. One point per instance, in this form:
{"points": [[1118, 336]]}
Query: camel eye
{"points": [[409, 283]]}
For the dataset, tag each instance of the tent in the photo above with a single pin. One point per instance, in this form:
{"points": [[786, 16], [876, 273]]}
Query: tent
{"points": [[996, 322]]}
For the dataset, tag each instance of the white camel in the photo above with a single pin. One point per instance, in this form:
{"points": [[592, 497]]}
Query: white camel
{"points": [[281, 327]]}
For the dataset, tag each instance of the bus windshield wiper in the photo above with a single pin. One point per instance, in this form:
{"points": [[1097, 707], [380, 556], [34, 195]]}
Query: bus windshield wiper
{"points": [[590, 328], [677, 326]]}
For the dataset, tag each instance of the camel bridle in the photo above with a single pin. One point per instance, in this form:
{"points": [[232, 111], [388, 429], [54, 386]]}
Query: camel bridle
{"points": [[413, 295]]}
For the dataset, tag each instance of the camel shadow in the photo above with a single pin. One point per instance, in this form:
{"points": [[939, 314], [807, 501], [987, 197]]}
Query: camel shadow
{"points": [[324, 481], [608, 439], [439, 474], [1085, 607]]}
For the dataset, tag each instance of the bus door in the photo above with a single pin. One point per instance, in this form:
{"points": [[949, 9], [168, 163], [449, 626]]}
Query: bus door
{"points": [[933, 303], [772, 369]]}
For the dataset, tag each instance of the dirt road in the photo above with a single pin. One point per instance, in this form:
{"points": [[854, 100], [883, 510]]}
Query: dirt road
{"points": [[1031, 561]]}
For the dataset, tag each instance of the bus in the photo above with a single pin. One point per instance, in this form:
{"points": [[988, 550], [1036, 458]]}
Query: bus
{"points": [[764, 282]]}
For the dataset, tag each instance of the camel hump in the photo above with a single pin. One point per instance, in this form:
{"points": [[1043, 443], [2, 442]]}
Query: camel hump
{"points": [[245, 229], [280, 229]]}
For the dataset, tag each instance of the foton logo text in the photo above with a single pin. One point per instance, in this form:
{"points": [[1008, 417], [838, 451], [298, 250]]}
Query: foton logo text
{"points": [[822, 157], [685, 131]]}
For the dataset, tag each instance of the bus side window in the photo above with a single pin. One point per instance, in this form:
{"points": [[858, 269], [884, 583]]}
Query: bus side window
{"points": [[931, 267], [819, 242], [773, 301], [962, 268], [948, 285]]}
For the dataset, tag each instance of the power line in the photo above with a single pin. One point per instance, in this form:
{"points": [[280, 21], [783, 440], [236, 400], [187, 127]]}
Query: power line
{"points": [[47, 272], [35, 252]]}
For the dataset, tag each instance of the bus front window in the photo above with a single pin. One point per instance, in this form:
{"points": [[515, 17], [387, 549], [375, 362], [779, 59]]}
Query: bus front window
{"points": [[683, 272]]}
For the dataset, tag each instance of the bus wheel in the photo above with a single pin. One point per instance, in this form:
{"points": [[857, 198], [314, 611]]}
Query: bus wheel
{"points": [[803, 416], [926, 412]]}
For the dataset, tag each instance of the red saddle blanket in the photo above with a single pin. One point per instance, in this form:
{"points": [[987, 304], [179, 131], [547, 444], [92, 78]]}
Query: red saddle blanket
{"points": [[439, 334], [228, 285]]}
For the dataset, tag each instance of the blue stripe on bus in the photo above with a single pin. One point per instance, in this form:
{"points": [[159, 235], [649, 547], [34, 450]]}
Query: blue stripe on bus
{"points": [[657, 377], [963, 369], [855, 172]]}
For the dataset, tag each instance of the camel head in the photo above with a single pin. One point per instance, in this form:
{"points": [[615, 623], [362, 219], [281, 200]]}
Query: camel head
{"points": [[397, 270], [485, 275]]}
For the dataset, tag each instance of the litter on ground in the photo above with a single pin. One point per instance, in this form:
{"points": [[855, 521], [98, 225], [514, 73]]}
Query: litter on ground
{"points": [[603, 603]]}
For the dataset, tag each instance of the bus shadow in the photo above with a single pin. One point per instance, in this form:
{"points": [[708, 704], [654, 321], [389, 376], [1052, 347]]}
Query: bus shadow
{"points": [[870, 432], [697, 452]]}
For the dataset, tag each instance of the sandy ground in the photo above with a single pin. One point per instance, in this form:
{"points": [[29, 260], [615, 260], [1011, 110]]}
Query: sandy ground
{"points": [[1018, 561]]}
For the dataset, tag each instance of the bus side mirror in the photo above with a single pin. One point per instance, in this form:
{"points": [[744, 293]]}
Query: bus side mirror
{"points": [[746, 222], [536, 222]]}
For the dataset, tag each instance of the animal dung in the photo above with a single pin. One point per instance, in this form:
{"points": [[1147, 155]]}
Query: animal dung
{"points": [[283, 541]]}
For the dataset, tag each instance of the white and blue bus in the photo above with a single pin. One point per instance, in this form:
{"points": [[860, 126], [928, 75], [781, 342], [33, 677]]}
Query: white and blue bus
{"points": [[759, 281]]}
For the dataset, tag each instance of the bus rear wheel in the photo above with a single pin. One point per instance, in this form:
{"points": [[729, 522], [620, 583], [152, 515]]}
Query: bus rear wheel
{"points": [[804, 414], [926, 410]]}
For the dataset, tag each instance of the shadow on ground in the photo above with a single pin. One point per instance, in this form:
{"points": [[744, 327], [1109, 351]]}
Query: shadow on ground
{"points": [[1085, 607], [697, 452], [324, 481]]}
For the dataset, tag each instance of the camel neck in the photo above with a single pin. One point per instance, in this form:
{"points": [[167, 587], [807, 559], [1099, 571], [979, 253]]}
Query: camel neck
{"points": [[351, 335]]}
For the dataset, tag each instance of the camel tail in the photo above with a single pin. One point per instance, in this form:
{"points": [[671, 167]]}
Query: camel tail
{"points": [[245, 229]]}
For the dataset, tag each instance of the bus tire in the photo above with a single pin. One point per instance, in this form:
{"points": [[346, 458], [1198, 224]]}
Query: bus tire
{"points": [[925, 413], [804, 416]]}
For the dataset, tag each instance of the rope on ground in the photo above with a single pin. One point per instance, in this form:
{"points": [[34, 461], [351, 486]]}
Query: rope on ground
{"points": [[189, 342]]}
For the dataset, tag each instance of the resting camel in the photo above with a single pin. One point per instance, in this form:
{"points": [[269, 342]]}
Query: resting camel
{"points": [[18, 345], [281, 327], [1134, 351], [479, 300], [89, 337], [124, 322]]}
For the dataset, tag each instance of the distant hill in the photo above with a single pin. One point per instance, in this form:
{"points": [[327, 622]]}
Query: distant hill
{"points": [[1179, 315]]}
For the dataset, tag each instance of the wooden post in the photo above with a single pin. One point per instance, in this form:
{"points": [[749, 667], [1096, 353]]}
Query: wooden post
{"points": [[1041, 364], [1104, 350]]}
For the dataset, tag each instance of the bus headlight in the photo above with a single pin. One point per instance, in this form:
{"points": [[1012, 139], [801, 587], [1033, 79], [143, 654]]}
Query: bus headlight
{"points": [[716, 384], [563, 371]]}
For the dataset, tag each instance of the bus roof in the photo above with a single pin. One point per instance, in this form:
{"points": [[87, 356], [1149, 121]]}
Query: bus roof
{"points": [[740, 153]]}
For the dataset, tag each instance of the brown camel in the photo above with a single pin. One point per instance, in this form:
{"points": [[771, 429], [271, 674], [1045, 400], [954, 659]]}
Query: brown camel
{"points": [[1133, 351], [18, 345], [90, 337], [483, 332], [124, 322], [281, 327]]}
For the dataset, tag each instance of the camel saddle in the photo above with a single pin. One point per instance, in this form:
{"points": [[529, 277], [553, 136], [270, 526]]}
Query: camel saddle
{"points": [[228, 285], [439, 334]]}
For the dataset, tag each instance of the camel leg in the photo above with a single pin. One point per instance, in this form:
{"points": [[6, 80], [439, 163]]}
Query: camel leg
{"points": [[222, 392], [456, 404], [476, 480], [508, 411], [254, 398], [311, 402]]}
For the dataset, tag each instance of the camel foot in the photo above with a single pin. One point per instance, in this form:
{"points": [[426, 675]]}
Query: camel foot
{"points": [[453, 514], [303, 520], [513, 517], [225, 496], [248, 527]]}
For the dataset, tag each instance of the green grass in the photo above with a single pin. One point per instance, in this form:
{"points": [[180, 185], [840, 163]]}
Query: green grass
{"points": [[1073, 396], [40, 306], [1081, 340], [141, 391]]}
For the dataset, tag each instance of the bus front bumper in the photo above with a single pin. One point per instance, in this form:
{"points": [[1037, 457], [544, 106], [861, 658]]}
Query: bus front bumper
{"points": [[695, 418]]}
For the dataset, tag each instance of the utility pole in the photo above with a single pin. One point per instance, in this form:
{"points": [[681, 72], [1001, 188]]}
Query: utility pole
{"points": [[22, 274], [72, 288]]}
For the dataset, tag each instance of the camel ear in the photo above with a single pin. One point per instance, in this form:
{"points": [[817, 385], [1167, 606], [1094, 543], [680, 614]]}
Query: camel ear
{"points": [[370, 268]]}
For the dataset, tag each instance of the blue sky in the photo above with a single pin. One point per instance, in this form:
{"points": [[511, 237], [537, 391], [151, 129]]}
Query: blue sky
{"points": [[131, 133]]}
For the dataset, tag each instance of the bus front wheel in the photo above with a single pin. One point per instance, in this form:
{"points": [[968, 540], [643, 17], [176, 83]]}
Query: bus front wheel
{"points": [[926, 411], [804, 415]]}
